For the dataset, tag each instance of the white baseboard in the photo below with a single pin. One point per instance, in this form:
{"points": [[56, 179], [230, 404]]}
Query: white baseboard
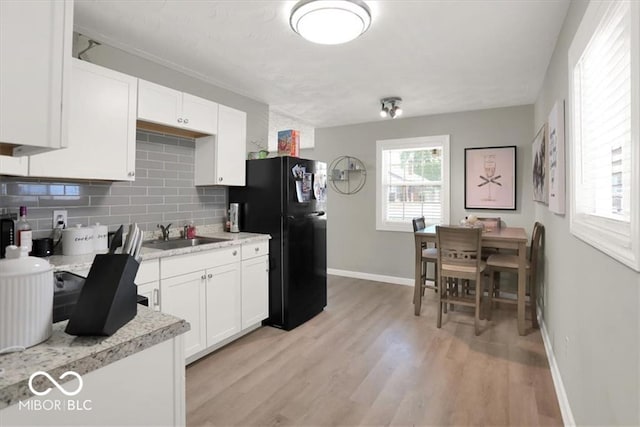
{"points": [[563, 401], [375, 277]]}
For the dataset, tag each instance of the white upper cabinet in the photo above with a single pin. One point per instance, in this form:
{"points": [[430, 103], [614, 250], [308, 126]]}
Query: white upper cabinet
{"points": [[232, 146], [169, 107], [14, 165], [220, 159], [102, 128], [35, 55]]}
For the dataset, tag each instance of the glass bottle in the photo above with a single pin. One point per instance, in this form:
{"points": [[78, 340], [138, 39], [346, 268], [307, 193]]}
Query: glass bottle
{"points": [[23, 230]]}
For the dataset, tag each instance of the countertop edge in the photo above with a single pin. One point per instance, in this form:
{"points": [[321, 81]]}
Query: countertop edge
{"points": [[84, 261], [15, 392]]}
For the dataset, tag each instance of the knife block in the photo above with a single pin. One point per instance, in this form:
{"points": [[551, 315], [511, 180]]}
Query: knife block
{"points": [[109, 296]]}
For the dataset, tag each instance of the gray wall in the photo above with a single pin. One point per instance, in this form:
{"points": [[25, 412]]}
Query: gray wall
{"points": [[353, 242], [116, 59], [163, 192], [592, 302]]}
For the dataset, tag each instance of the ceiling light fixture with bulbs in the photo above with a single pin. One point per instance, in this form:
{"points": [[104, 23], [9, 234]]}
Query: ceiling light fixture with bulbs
{"points": [[391, 107], [330, 21]]}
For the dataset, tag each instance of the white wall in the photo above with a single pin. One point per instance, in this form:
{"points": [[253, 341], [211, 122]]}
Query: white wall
{"points": [[279, 121], [592, 301], [353, 242]]}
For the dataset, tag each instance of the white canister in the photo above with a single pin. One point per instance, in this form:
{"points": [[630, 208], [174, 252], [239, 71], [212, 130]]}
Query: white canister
{"points": [[77, 240], [100, 237], [26, 299]]}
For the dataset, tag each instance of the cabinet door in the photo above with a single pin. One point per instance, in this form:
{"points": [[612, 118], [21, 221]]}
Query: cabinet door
{"points": [[223, 302], [14, 165], [255, 290], [159, 104], [184, 297], [101, 138], [231, 144], [151, 290], [35, 53], [199, 114]]}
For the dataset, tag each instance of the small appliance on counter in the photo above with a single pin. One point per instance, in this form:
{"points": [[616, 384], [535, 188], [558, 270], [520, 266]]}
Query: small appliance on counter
{"points": [[42, 247], [7, 233], [234, 217], [26, 299]]}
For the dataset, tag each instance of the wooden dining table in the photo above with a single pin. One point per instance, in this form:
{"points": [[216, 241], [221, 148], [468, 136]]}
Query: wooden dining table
{"points": [[514, 238]]}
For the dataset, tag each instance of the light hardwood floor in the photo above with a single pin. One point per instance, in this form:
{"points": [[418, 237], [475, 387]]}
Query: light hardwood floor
{"points": [[367, 360]]}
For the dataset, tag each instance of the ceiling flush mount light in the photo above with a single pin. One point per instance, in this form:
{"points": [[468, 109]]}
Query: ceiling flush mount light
{"points": [[330, 21], [390, 107]]}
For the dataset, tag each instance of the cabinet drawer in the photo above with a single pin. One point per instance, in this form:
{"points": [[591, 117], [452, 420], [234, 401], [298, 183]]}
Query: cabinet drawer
{"points": [[252, 250], [183, 264], [149, 271]]}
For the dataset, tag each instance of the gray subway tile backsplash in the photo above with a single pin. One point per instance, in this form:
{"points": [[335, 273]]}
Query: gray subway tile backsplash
{"points": [[162, 192]]}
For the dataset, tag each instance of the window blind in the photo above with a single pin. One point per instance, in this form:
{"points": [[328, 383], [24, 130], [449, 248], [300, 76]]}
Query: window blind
{"points": [[602, 118], [412, 181]]}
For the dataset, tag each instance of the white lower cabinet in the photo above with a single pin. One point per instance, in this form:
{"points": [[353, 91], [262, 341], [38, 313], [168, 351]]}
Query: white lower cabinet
{"points": [[223, 302], [222, 293], [255, 290], [148, 281], [185, 297], [152, 292]]}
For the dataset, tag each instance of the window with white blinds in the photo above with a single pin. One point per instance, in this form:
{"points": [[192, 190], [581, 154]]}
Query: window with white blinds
{"points": [[604, 125], [412, 181]]}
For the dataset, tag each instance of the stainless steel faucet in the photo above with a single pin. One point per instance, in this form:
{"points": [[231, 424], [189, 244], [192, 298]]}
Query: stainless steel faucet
{"points": [[165, 231]]}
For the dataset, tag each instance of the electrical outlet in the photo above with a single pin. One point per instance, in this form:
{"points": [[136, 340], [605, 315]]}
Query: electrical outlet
{"points": [[63, 215]]}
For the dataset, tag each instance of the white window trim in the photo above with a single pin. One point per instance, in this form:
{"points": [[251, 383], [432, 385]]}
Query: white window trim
{"points": [[619, 241], [388, 144]]}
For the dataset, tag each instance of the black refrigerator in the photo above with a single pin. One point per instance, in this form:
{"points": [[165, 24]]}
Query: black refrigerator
{"points": [[286, 198]]}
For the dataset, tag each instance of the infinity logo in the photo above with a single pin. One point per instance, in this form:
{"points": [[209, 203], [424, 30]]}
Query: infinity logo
{"points": [[58, 386]]}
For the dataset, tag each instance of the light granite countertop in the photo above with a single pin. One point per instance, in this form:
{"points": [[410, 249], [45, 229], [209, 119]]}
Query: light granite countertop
{"points": [[63, 352], [81, 262]]}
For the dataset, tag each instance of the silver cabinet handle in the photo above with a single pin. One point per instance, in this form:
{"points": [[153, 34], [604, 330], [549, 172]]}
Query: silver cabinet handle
{"points": [[186, 120], [203, 277], [235, 253], [257, 249], [220, 179], [209, 275], [131, 174], [156, 299], [179, 119]]}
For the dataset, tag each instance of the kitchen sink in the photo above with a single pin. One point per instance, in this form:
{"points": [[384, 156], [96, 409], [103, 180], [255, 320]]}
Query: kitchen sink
{"points": [[181, 243]]}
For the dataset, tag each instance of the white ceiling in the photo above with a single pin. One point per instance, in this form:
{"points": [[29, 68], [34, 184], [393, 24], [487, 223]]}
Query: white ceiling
{"points": [[439, 56]]}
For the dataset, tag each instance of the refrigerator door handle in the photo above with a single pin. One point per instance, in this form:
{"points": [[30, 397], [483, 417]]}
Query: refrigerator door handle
{"points": [[318, 213]]}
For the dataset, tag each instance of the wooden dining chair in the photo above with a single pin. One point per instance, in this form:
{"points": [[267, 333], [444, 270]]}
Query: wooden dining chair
{"points": [[429, 256], [509, 263], [459, 251]]}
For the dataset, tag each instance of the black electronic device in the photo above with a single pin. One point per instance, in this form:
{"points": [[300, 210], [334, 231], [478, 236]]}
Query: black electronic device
{"points": [[7, 234]]}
